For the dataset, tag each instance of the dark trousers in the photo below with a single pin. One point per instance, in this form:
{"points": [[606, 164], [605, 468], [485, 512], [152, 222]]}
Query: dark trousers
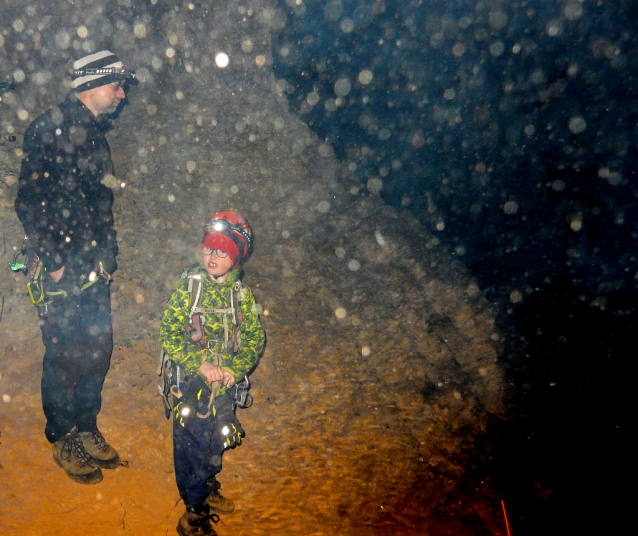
{"points": [[78, 338], [197, 453]]}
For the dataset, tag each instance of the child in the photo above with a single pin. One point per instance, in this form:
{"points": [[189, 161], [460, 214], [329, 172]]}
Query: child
{"points": [[211, 332]]}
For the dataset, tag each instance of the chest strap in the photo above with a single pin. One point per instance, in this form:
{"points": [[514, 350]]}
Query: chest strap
{"points": [[195, 326]]}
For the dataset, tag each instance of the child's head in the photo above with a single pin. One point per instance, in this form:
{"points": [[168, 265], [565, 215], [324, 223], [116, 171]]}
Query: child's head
{"points": [[226, 244]]}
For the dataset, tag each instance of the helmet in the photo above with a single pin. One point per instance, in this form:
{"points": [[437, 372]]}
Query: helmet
{"points": [[230, 232]]}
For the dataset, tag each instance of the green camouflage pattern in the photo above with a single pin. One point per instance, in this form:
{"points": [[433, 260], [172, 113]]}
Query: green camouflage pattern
{"points": [[179, 346]]}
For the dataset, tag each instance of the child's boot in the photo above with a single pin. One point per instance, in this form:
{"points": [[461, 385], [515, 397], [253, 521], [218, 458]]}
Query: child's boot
{"points": [[197, 522], [217, 502], [220, 504]]}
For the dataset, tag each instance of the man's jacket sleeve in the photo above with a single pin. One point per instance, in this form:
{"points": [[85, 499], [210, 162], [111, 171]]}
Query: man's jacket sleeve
{"points": [[35, 204]]}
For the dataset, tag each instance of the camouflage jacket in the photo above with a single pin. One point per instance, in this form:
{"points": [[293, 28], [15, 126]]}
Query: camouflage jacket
{"points": [[179, 346]]}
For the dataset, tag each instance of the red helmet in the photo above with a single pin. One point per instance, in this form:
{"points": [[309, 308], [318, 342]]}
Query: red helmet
{"points": [[229, 232]]}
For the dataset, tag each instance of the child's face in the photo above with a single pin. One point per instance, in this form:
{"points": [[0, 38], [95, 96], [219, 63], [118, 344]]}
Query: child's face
{"points": [[215, 265]]}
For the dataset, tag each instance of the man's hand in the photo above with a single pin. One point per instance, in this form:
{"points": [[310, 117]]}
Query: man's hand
{"points": [[57, 275], [213, 373]]}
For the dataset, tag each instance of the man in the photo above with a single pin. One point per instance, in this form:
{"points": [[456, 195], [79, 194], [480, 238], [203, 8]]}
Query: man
{"points": [[66, 211]]}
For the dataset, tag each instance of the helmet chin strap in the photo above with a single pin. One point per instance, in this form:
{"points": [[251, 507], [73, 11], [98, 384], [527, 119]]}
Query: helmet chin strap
{"points": [[224, 275], [235, 265]]}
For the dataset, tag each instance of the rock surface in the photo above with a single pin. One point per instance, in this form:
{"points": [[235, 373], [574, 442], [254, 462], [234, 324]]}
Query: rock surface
{"points": [[381, 362]]}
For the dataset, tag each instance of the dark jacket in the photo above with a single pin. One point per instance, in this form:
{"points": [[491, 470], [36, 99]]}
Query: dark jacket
{"points": [[64, 207]]}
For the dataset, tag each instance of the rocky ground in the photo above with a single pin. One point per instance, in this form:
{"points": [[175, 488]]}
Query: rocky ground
{"points": [[361, 425]]}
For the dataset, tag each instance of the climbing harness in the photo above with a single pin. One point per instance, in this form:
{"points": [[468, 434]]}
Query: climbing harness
{"points": [[195, 327], [32, 267], [30, 262], [172, 373], [239, 391], [191, 402]]}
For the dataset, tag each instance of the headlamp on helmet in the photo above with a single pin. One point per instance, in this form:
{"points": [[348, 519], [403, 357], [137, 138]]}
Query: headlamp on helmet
{"points": [[234, 227], [225, 227]]}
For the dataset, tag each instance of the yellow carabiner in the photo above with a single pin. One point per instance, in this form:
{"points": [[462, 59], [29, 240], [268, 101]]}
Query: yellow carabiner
{"points": [[37, 279], [34, 300]]}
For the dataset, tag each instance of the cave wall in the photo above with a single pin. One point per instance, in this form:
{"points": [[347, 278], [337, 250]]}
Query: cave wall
{"points": [[379, 343]]}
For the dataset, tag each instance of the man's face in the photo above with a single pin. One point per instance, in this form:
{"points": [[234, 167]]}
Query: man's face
{"points": [[215, 265], [104, 99]]}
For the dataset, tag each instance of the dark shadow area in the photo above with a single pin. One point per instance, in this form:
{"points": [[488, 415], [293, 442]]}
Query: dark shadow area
{"points": [[510, 132]]}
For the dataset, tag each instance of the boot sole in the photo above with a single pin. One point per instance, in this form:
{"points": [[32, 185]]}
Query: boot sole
{"points": [[113, 463], [89, 478], [217, 510], [182, 532]]}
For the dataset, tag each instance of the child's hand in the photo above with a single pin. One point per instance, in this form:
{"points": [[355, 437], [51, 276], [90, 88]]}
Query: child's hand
{"points": [[213, 373], [229, 379]]}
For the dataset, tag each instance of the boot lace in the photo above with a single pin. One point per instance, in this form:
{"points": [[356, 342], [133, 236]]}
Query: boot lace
{"points": [[202, 519], [208, 517], [74, 446], [99, 440]]}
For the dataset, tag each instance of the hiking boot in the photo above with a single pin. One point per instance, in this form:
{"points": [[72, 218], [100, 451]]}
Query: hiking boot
{"points": [[103, 454], [197, 522], [219, 504], [69, 453]]}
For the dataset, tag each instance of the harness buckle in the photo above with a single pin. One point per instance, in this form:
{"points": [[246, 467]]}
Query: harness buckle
{"points": [[104, 273], [243, 399], [210, 345]]}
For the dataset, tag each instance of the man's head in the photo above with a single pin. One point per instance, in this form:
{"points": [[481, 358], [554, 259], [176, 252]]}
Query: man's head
{"points": [[226, 244], [98, 81]]}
